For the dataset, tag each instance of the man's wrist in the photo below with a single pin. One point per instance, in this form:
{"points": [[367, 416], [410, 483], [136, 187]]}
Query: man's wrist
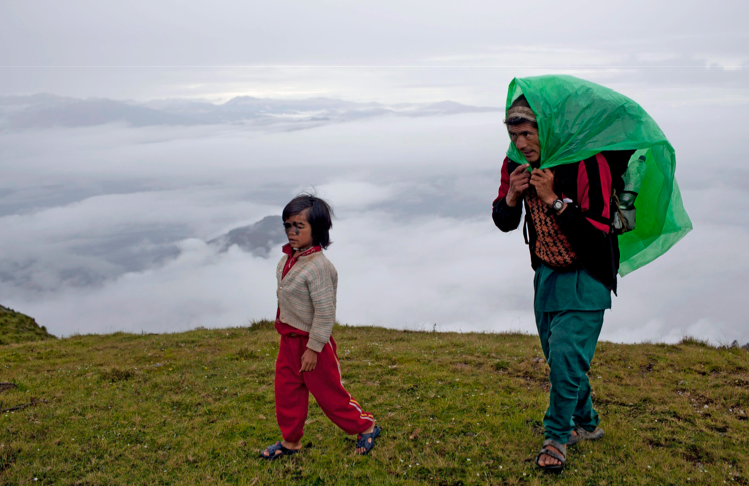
{"points": [[511, 201], [556, 206], [549, 201]]}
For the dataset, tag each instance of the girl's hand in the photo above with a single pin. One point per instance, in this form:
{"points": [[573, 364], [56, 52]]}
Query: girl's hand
{"points": [[309, 360]]}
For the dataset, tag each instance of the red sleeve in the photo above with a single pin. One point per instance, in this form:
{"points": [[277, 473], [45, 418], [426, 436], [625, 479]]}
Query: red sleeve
{"points": [[504, 185], [594, 191]]}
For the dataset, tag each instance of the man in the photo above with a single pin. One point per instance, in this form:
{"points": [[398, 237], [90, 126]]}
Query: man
{"points": [[575, 257]]}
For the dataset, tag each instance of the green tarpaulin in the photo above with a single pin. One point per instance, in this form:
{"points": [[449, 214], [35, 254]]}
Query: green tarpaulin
{"points": [[577, 119]]}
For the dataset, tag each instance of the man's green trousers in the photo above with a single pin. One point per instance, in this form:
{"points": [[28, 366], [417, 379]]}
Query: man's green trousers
{"points": [[569, 309]]}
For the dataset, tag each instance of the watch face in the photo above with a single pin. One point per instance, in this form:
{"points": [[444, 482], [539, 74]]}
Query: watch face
{"points": [[557, 205]]}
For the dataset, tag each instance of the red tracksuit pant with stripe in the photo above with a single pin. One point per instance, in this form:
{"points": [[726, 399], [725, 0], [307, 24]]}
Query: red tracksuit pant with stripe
{"points": [[324, 382]]}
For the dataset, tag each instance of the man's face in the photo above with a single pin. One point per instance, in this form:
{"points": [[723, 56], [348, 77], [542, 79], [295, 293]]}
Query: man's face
{"points": [[525, 139]]}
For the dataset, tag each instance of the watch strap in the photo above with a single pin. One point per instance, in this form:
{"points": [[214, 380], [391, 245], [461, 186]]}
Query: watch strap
{"points": [[556, 206]]}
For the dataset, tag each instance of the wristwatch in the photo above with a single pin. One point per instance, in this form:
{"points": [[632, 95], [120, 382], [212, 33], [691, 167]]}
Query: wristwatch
{"points": [[556, 206]]}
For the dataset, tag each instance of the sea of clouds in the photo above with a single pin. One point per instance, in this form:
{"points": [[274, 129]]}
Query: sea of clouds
{"points": [[105, 227]]}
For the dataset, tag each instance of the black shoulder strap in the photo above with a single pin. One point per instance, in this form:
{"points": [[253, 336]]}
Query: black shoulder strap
{"points": [[618, 161]]}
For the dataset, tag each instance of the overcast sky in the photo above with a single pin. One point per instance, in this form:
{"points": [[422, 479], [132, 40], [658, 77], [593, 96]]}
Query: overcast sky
{"points": [[104, 226], [384, 51]]}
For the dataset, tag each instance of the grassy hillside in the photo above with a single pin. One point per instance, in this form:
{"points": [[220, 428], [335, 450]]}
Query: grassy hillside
{"points": [[196, 407], [19, 328]]}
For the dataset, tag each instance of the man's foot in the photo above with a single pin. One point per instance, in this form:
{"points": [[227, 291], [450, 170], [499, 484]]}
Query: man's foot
{"points": [[365, 441], [553, 456], [579, 433], [282, 448], [573, 437], [546, 460]]}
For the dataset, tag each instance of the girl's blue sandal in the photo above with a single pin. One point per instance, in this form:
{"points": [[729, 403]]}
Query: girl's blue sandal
{"points": [[367, 441], [285, 451]]}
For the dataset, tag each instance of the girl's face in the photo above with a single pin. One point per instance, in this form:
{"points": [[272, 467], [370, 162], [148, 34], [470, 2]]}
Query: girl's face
{"points": [[298, 231]]}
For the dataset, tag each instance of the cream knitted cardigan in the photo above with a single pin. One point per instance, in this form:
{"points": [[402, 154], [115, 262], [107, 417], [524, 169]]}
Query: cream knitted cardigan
{"points": [[307, 297]]}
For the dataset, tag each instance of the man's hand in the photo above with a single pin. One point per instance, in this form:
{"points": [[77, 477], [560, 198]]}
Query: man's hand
{"points": [[543, 181], [309, 360], [519, 180]]}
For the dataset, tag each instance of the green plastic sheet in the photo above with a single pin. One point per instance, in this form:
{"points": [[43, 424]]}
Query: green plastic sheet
{"points": [[576, 120]]}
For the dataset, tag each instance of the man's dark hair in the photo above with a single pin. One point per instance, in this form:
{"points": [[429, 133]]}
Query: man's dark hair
{"points": [[516, 120], [319, 216]]}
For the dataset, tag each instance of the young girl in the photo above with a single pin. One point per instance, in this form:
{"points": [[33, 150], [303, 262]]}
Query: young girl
{"points": [[307, 360]]}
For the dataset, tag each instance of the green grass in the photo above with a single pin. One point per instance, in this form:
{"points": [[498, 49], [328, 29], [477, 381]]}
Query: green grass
{"points": [[196, 408], [18, 328]]}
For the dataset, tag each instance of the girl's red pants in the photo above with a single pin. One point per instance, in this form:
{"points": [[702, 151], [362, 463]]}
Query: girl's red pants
{"points": [[324, 382]]}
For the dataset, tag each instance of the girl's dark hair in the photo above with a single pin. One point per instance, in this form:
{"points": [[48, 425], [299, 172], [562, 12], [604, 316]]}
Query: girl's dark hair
{"points": [[319, 216]]}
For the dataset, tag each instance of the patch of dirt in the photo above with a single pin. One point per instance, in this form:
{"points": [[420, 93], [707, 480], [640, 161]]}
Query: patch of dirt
{"points": [[695, 454], [536, 426], [115, 374], [647, 368]]}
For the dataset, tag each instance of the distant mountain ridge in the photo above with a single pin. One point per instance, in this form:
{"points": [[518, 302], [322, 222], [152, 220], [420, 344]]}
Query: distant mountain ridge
{"points": [[46, 111], [258, 238], [83, 113]]}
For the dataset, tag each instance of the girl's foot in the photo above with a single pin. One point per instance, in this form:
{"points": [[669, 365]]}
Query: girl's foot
{"points": [[282, 448], [365, 440]]}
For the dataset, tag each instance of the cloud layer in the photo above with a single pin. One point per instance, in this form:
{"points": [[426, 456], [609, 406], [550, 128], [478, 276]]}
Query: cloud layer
{"points": [[106, 227]]}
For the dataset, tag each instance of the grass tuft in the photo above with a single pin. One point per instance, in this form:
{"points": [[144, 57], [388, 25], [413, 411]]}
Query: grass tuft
{"points": [[263, 325], [693, 341], [114, 375]]}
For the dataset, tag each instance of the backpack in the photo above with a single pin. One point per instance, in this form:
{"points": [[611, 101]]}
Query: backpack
{"points": [[627, 171]]}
